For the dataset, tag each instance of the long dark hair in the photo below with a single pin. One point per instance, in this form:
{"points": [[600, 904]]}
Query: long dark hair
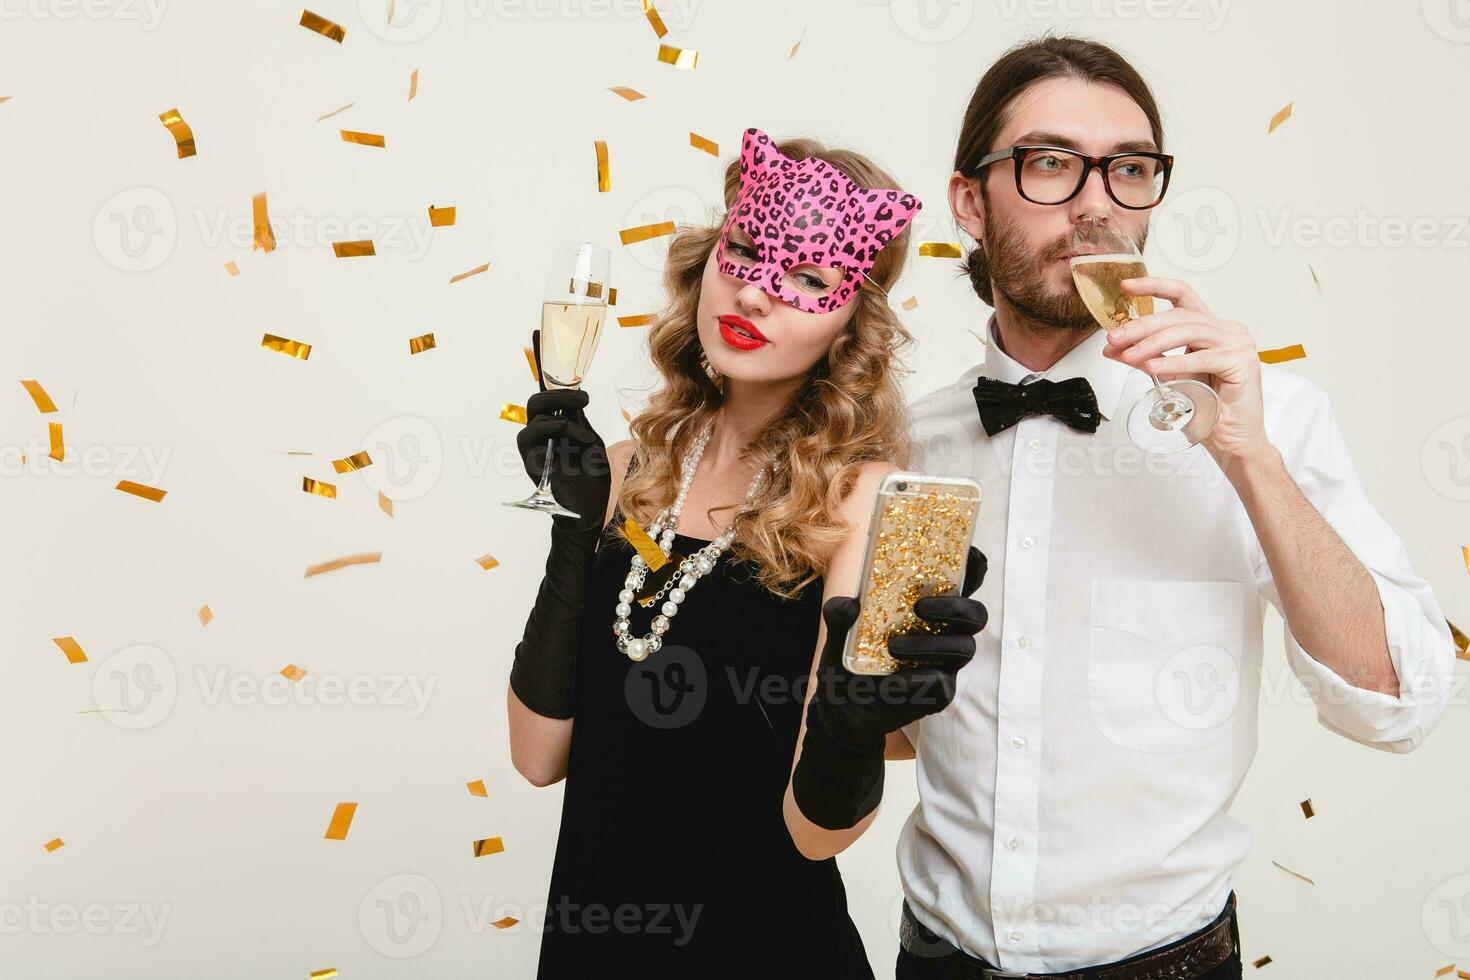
{"points": [[1032, 61]]}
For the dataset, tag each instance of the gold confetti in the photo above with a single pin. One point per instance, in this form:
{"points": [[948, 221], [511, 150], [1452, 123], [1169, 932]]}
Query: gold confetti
{"points": [[654, 19], [477, 787], [940, 250], [1279, 118], [1445, 970], [52, 844], [413, 84], [363, 139], [707, 145], [1307, 808], [506, 922], [57, 451], [631, 94], [612, 296], [140, 490], [513, 413], [911, 303], [73, 650], [1462, 642], [291, 348], [1462, 975], [417, 345], [686, 58], [604, 176], [341, 821], [637, 320], [43, 401], [1282, 354], [326, 28], [264, 237], [292, 672], [1260, 962], [651, 553], [643, 233], [324, 974], [440, 217], [182, 134], [5, 98], [354, 462], [1293, 873], [531, 360], [335, 111], [385, 503], [487, 562], [354, 249], [366, 558], [490, 845], [319, 487], [1465, 554], [797, 46], [232, 268], [473, 272], [206, 615], [1315, 281]]}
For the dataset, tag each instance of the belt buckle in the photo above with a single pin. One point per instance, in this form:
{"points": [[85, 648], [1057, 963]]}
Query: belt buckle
{"points": [[991, 973]]}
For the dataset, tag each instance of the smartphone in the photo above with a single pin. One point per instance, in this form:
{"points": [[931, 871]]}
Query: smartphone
{"points": [[918, 544]]}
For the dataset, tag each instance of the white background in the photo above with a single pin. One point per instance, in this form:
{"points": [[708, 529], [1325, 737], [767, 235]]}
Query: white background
{"points": [[211, 807]]}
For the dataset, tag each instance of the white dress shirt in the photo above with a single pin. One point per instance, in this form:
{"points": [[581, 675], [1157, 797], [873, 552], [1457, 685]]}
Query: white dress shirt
{"points": [[1073, 798]]}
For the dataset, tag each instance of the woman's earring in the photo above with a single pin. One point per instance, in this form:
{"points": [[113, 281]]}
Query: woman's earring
{"points": [[709, 369]]}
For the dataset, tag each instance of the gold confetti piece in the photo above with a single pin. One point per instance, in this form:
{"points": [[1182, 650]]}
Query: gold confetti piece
{"points": [[940, 250], [1260, 962], [490, 845], [506, 922], [385, 503], [413, 84], [513, 413], [637, 320], [341, 821], [73, 650], [626, 416], [631, 94], [335, 111], [487, 562], [612, 296], [797, 46], [264, 237], [531, 360], [319, 487], [604, 177], [366, 558], [326, 28], [57, 451], [1445, 970], [363, 139], [1283, 354], [654, 19], [232, 268], [43, 401], [5, 98], [1462, 642], [324, 974], [417, 345], [686, 58], [1293, 873], [354, 462], [643, 233], [651, 553], [707, 145], [291, 348], [911, 303], [52, 844], [140, 490], [440, 217], [1315, 281], [473, 272], [1307, 808], [1279, 118], [182, 134], [292, 672], [477, 787], [1465, 554], [1462, 975], [206, 615], [354, 249]]}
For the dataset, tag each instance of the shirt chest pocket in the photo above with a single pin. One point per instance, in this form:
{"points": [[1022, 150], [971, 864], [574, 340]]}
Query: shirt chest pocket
{"points": [[1163, 662]]}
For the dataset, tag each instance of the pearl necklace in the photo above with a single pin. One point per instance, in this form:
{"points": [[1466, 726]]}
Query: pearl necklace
{"points": [[691, 569]]}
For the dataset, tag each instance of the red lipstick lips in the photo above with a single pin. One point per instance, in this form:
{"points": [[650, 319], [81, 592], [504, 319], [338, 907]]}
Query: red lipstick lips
{"points": [[741, 334]]}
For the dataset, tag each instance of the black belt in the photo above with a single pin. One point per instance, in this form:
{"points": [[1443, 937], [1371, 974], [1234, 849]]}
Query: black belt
{"points": [[1192, 956]]}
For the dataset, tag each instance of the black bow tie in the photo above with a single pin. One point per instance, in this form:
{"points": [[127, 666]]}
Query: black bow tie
{"points": [[1002, 405]]}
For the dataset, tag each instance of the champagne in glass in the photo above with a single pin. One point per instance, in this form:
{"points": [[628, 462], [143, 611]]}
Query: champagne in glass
{"points": [[572, 311]]}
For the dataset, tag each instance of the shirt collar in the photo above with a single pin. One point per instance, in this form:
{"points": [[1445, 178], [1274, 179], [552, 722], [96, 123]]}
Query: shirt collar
{"points": [[1086, 360]]}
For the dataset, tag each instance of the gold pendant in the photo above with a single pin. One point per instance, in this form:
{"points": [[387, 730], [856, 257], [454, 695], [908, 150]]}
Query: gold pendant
{"points": [[653, 582]]}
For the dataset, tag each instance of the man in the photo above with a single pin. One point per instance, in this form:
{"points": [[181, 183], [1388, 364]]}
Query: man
{"points": [[1073, 795]]}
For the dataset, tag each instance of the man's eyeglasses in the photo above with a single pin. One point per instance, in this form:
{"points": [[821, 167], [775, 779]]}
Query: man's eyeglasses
{"points": [[1054, 174]]}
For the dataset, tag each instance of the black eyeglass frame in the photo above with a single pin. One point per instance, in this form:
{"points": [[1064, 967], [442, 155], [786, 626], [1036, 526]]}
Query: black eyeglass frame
{"points": [[1018, 153]]}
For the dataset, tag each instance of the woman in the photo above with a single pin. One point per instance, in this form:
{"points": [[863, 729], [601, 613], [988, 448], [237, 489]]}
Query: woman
{"points": [[779, 413]]}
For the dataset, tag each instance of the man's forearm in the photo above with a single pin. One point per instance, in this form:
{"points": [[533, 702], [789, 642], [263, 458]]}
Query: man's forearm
{"points": [[1329, 599]]}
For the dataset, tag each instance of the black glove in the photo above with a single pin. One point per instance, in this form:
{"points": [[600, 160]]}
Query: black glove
{"points": [[839, 778], [545, 660]]}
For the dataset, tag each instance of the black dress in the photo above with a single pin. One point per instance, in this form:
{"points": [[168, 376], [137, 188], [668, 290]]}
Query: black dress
{"points": [[673, 858]]}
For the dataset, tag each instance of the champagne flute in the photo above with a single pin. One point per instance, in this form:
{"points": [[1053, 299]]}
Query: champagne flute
{"points": [[1170, 417], [572, 311]]}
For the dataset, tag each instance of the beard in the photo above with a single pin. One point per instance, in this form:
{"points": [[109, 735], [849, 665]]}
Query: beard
{"points": [[1021, 275]]}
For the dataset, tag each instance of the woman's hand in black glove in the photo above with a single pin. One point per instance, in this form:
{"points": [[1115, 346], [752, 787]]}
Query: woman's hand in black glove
{"points": [[580, 478]]}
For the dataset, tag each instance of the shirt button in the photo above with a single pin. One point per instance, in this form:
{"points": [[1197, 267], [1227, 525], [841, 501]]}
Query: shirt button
{"points": [[1035, 443], [1023, 642], [1028, 541], [1015, 936], [1013, 844], [1018, 742]]}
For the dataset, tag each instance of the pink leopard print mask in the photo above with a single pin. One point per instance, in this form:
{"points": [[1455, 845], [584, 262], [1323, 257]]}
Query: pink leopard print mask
{"points": [[807, 212]]}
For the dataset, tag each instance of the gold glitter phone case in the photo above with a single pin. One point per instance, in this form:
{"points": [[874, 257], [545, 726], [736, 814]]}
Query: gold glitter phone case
{"points": [[917, 546]]}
